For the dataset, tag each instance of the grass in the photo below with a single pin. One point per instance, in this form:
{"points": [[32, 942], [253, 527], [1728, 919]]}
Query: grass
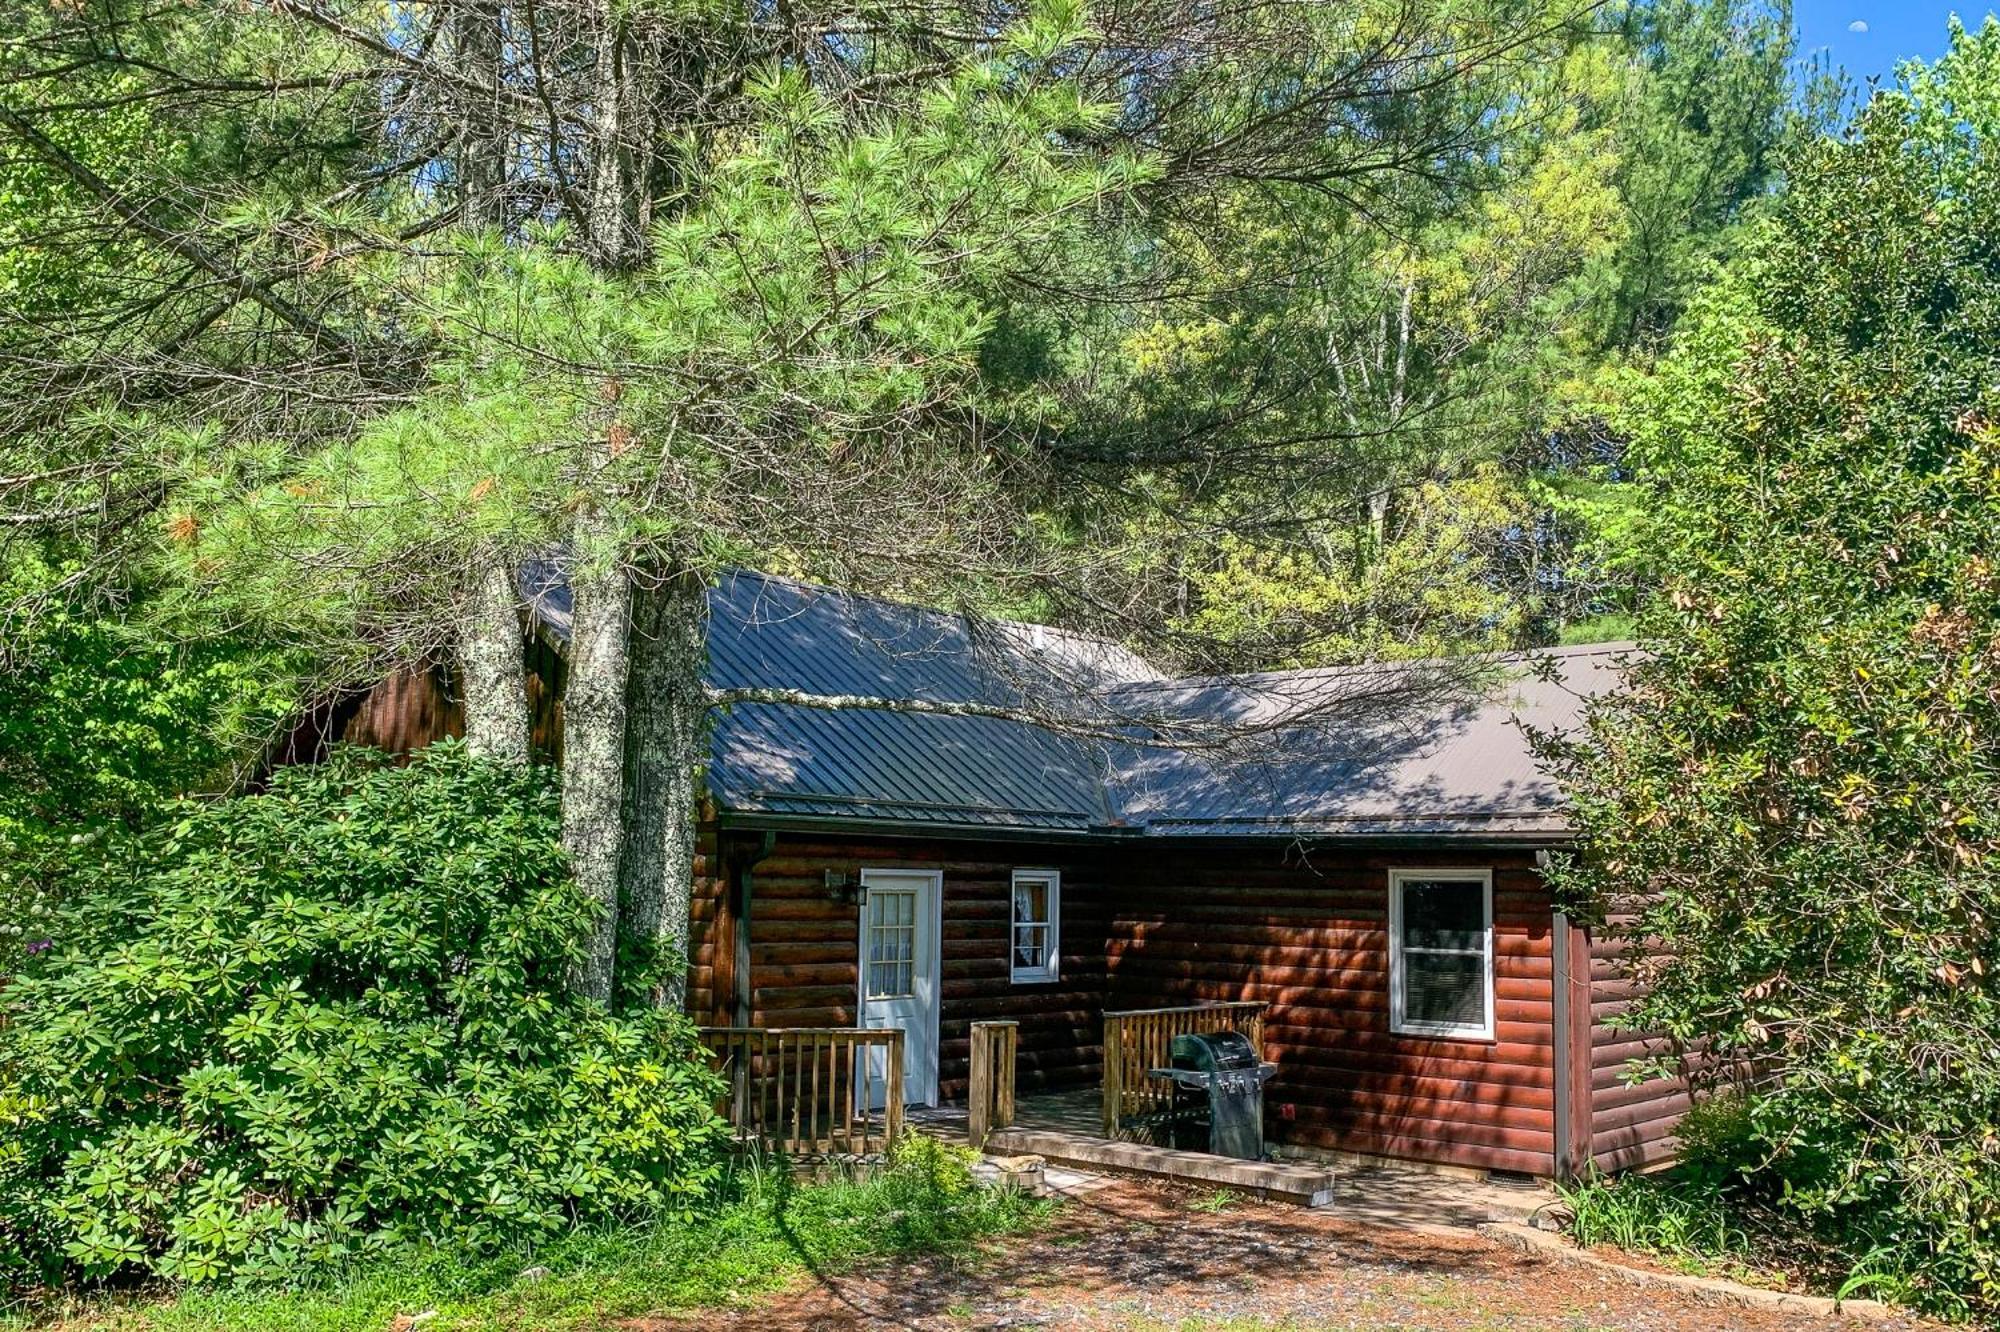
{"points": [[1655, 1214], [1686, 1223], [774, 1231], [1213, 1201], [1690, 1224]]}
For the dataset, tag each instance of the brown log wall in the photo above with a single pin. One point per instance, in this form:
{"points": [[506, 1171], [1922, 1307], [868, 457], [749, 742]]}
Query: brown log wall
{"points": [[406, 711], [804, 946], [1151, 926]]}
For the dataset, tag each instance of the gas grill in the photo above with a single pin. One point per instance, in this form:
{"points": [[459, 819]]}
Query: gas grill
{"points": [[1218, 1094]]}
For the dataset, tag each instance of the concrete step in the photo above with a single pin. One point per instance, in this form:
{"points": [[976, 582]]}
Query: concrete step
{"points": [[1276, 1181]]}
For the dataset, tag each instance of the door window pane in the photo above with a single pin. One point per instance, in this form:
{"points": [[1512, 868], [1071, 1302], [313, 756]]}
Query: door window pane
{"points": [[892, 943]]}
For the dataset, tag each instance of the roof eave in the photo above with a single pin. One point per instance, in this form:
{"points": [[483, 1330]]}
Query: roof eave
{"points": [[1466, 838]]}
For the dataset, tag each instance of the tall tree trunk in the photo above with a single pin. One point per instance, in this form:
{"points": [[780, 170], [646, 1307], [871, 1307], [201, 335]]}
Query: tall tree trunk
{"points": [[594, 809], [616, 223], [594, 749], [478, 32], [663, 756], [1378, 521], [492, 675]]}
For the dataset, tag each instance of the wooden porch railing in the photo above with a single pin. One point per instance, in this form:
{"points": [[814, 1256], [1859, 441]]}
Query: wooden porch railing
{"points": [[811, 1091], [1142, 1038], [989, 1098]]}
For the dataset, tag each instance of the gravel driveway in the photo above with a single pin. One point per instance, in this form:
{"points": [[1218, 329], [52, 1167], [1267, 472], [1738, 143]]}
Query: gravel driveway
{"points": [[1157, 1259]]}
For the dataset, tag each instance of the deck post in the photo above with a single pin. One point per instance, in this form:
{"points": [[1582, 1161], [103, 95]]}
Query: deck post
{"points": [[893, 1103], [1009, 1061], [979, 1088], [989, 1098], [1114, 1053]]}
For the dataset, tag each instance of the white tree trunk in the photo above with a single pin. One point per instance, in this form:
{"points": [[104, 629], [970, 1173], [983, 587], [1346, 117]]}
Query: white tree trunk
{"points": [[492, 674], [594, 754], [668, 708]]}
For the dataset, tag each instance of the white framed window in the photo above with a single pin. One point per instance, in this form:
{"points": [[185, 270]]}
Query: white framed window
{"points": [[1441, 953], [1037, 918]]}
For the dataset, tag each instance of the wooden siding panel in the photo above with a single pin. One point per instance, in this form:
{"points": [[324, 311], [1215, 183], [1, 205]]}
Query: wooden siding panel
{"points": [[1632, 1126], [709, 936], [804, 946]]}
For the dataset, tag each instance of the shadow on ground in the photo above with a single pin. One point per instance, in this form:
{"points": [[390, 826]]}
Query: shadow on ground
{"points": [[1152, 1258]]}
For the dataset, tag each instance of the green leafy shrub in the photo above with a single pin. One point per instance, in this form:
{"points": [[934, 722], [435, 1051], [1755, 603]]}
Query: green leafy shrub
{"points": [[1796, 800], [924, 1199], [765, 1229], [101, 728], [308, 1023]]}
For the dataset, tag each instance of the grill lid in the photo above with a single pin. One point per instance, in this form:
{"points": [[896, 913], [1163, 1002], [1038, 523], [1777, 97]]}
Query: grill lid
{"points": [[1213, 1051]]}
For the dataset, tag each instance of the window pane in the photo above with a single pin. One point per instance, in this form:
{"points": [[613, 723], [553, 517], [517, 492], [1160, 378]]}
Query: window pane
{"points": [[1031, 901], [1031, 947], [1444, 989], [1444, 913]]}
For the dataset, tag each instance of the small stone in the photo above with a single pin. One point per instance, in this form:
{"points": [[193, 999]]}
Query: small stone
{"points": [[407, 1322]]}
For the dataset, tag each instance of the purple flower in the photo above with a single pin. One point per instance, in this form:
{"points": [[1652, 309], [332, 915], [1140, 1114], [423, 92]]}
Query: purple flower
{"points": [[40, 946]]}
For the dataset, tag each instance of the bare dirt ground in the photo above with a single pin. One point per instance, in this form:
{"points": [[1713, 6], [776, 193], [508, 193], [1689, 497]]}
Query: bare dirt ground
{"points": [[1147, 1258]]}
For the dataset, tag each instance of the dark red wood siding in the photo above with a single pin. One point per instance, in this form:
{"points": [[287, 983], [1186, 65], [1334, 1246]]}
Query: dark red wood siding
{"points": [[405, 712], [1150, 926], [1632, 1125], [1308, 934]]}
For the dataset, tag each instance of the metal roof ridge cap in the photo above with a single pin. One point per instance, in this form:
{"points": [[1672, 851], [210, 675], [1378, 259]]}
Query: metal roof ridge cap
{"points": [[1510, 656]]}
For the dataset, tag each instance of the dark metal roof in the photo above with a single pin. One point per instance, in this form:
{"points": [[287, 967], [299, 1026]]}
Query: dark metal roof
{"points": [[1461, 769], [879, 765], [1458, 767]]}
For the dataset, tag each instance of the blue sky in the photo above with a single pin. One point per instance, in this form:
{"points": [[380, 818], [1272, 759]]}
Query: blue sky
{"points": [[1870, 36]]}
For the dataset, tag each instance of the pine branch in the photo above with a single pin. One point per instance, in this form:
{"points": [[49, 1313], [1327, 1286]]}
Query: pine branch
{"points": [[247, 286]]}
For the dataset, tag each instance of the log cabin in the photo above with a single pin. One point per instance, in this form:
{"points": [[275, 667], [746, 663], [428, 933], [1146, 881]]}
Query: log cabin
{"points": [[1423, 996]]}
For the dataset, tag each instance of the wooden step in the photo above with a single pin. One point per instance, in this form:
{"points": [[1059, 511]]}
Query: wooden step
{"points": [[1276, 1181]]}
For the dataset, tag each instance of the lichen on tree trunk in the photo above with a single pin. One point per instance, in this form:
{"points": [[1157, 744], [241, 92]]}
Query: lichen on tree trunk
{"points": [[663, 756], [594, 750], [492, 676]]}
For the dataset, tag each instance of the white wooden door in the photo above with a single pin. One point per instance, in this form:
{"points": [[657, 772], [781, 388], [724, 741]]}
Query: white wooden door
{"points": [[899, 973]]}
